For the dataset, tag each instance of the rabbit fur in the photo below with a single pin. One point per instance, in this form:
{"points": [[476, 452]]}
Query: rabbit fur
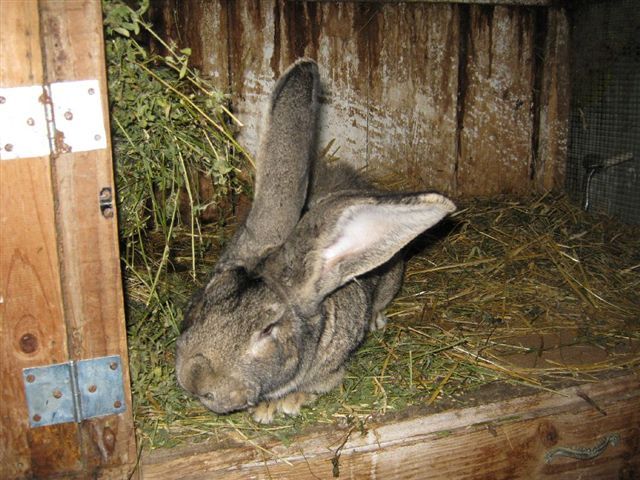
{"points": [[305, 277]]}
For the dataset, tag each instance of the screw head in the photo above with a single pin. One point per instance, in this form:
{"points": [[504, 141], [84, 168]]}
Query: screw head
{"points": [[92, 388], [31, 378], [91, 91], [68, 115], [57, 393], [31, 122], [105, 194], [2, 100], [8, 147], [117, 404], [107, 212], [113, 365], [97, 137], [37, 418]]}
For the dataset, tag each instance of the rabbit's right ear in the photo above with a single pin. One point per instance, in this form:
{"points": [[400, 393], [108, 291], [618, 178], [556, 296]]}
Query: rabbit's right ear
{"points": [[352, 237], [282, 166]]}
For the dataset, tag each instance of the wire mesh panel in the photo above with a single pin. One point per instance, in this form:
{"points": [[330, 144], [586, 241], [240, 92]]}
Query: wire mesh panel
{"points": [[603, 170]]}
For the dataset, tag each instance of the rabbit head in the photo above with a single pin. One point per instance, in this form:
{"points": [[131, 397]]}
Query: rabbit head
{"points": [[265, 325]]}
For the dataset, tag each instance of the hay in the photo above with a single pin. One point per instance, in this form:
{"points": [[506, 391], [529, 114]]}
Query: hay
{"points": [[528, 292]]}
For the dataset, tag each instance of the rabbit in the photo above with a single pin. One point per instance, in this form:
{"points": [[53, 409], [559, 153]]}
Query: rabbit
{"points": [[306, 276]]}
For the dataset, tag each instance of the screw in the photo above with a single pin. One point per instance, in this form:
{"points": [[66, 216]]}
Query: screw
{"points": [[31, 122], [3, 100], [8, 147], [37, 418], [107, 212], [105, 195], [31, 378], [68, 115], [113, 365], [97, 137], [117, 404], [57, 394], [92, 388], [91, 91]]}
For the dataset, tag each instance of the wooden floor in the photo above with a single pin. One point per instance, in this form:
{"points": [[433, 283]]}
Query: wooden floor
{"points": [[523, 437]]}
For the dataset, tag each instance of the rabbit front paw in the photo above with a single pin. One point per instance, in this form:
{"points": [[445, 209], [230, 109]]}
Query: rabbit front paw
{"points": [[290, 405], [378, 322], [264, 412]]}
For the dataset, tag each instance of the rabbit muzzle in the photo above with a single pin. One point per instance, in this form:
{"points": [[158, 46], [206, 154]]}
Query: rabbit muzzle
{"points": [[219, 392]]}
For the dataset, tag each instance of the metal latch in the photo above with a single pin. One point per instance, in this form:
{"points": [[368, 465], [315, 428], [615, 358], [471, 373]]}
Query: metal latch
{"points": [[58, 118], [74, 391]]}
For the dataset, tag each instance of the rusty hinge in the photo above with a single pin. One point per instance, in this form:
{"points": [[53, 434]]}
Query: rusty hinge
{"points": [[57, 118], [74, 391]]}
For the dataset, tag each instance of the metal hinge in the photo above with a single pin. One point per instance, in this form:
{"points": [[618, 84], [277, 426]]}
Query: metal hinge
{"points": [[57, 118], [74, 391]]}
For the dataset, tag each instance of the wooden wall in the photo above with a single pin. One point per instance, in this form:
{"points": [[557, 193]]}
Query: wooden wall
{"points": [[466, 98]]}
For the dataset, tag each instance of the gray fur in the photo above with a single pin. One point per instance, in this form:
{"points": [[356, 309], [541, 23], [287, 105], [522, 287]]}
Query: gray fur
{"points": [[305, 278]]}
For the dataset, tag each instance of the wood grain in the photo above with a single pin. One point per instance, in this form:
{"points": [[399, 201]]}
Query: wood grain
{"points": [[497, 118], [32, 328], [554, 104], [503, 440], [90, 269], [467, 99]]}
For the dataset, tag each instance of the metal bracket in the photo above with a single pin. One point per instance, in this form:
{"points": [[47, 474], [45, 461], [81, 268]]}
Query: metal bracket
{"points": [[23, 124], [58, 118], [74, 391]]}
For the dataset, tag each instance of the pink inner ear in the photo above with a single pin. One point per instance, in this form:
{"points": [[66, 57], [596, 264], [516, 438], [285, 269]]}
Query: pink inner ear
{"points": [[381, 230], [361, 230]]}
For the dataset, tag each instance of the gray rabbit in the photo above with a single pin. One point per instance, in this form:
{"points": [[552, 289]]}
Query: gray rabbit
{"points": [[307, 275]]}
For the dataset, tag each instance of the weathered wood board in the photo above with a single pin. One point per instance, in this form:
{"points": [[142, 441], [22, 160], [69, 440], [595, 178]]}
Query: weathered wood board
{"points": [[32, 329], [466, 98], [60, 287], [504, 440]]}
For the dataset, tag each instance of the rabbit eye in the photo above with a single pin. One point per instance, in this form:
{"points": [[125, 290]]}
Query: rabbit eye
{"points": [[268, 329]]}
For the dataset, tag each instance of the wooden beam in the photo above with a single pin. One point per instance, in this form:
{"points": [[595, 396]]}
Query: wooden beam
{"points": [[506, 439], [32, 328], [73, 47]]}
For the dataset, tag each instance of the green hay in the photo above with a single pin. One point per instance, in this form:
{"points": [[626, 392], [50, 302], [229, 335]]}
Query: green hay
{"points": [[507, 272], [528, 292]]}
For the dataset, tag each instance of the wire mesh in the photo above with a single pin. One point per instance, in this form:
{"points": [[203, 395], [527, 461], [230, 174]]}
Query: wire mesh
{"points": [[603, 168]]}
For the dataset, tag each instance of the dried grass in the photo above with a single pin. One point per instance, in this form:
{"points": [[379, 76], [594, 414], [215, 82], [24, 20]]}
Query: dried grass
{"points": [[531, 292]]}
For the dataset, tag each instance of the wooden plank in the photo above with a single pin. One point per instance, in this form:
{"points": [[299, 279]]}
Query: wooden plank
{"points": [[389, 89], [201, 26], [507, 439], [467, 99], [497, 102], [555, 92], [90, 268], [412, 93], [32, 329]]}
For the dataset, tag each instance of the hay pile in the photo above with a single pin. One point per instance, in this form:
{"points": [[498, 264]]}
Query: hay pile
{"points": [[530, 292]]}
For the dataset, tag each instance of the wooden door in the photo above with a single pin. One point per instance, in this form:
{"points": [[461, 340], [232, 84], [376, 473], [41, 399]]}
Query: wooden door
{"points": [[60, 283]]}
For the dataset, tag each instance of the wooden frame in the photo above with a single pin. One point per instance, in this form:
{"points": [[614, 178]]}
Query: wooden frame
{"points": [[60, 270], [506, 439]]}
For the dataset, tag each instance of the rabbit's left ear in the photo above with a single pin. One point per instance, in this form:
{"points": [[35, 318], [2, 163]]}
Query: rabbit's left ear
{"points": [[287, 146], [364, 234]]}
